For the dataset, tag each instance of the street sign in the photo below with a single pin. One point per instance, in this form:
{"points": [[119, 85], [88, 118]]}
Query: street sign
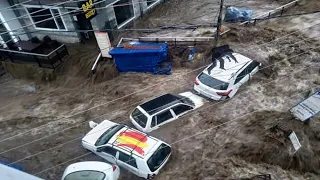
{"points": [[295, 141], [88, 9], [308, 107], [103, 43]]}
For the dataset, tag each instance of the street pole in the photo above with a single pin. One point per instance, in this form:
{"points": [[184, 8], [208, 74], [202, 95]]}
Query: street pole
{"points": [[219, 24]]}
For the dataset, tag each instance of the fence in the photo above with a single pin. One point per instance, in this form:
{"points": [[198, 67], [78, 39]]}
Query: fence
{"points": [[51, 60], [171, 41], [278, 12]]}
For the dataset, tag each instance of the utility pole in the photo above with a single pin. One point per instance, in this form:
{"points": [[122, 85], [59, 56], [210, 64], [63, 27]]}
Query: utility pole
{"points": [[219, 24]]}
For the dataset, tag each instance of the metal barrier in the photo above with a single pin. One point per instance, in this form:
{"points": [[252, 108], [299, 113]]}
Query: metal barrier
{"points": [[276, 12], [172, 41], [51, 60]]}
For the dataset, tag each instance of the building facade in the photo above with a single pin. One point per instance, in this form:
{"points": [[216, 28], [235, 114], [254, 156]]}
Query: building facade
{"points": [[60, 19]]}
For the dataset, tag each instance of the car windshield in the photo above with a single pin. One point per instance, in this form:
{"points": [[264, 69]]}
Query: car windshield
{"points": [[139, 117], [85, 175], [186, 100], [212, 82], [106, 136], [159, 156]]}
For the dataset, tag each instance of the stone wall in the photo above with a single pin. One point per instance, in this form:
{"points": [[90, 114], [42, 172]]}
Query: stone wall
{"points": [[30, 72]]}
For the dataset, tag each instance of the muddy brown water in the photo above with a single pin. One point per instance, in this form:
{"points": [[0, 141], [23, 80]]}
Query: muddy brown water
{"points": [[240, 149]]}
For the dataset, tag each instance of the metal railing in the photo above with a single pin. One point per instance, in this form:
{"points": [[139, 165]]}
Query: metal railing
{"points": [[276, 12], [51, 60]]}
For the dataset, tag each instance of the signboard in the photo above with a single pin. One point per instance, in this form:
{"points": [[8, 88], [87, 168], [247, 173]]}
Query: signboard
{"points": [[308, 107], [295, 141], [103, 43], [88, 9]]}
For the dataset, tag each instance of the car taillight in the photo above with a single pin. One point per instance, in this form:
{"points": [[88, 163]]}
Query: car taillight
{"points": [[224, 93], [196, 81], [114, 167]]}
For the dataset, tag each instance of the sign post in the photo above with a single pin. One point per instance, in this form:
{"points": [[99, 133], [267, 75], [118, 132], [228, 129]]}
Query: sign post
{"points": [[295, 141], [307, 108], [103, 43]]}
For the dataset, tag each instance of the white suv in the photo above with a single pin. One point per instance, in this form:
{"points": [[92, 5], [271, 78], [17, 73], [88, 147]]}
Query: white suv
{"points": [[223, 78], [130, 149], [164, 109]]}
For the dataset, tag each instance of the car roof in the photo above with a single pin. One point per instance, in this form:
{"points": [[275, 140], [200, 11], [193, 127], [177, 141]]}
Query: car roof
{"points": [[88, 166], [134, 142], [162, 102], [226, 66]]}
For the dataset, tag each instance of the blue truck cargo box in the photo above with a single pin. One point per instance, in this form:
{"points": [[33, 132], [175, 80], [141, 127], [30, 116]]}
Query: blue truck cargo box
{"points": [[140, 57]]}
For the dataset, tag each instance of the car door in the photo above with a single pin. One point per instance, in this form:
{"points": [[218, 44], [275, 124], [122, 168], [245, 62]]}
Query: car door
{"points": [[127, 162], [108, 153], [240, 79], [254, 68], [161, 119], [181, 109]]}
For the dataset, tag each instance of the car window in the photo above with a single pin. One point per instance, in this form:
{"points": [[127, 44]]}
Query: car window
{"points": [[164, 116], [105, 137], [212, 82], [127, 159], [240, 76], [110, 150], [252, 65], [85, 175], [154, 121], [179, 109], [158, 157], [139, 117]]}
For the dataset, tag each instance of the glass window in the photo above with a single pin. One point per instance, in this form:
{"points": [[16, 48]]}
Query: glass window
{"points": [[127, 159], [164, 116], [139, 117], [153, 122], [158, 157], [105, 137], [110, 150], [151, 2], [58, 19], [181, 109], [123, 13], [46, 18], [186, 100], [242, 75], [212, 82], [85, 175], [252, 65], [41, 14]]}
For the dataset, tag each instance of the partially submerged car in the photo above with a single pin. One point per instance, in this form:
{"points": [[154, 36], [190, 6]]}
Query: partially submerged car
{"points": [[131, 149], [164, 109], [90, 170], [223, 78]]}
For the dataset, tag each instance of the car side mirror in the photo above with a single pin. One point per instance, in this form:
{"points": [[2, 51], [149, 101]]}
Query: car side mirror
{"points": [[92, 124]]}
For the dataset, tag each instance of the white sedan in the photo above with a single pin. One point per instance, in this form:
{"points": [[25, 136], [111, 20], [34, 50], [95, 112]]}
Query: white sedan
{"points": [[91, 170]]}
